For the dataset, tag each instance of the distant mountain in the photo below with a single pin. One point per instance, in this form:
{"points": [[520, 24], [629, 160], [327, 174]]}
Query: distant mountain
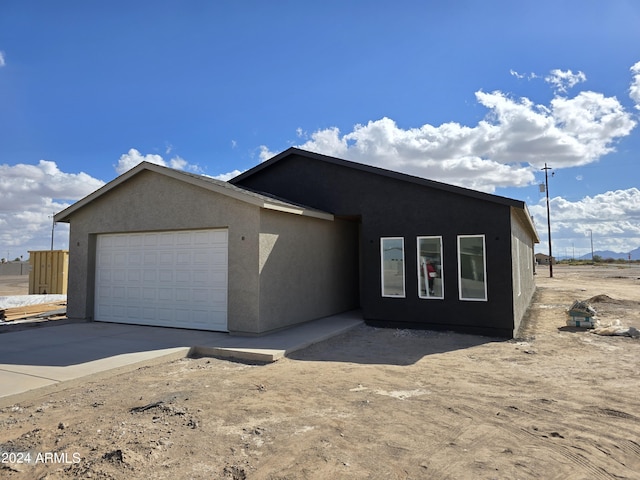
{"points": [[635, 255]]}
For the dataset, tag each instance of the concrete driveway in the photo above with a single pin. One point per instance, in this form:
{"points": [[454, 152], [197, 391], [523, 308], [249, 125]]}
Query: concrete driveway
{"points": [[44, 357]]}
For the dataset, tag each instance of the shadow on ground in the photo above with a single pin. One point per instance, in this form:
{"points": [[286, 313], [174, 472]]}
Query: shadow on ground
{"points": [[370, 345]]}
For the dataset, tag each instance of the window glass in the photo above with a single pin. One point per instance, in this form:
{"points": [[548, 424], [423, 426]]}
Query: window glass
{"points": [[472, 267], [430, 272], [392, 255], [518, 278]]}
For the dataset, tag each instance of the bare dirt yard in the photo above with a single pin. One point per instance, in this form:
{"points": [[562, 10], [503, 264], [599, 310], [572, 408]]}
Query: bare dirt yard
{"points": [[556, 403]]}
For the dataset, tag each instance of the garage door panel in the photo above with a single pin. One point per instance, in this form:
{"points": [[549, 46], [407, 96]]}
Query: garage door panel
{"points": [[165, 294], [183, 258], [118, 275], [134, 258], [183, 276], [134, 293], [150, 240], [182, 295], [118, 293], [176, 279], [149, 276], [149, 294], [134, 276], [166, 239], [165, 276], [134, 240]]}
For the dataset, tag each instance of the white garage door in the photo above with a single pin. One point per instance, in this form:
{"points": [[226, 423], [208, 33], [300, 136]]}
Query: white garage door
{"points": [[172, 279]]}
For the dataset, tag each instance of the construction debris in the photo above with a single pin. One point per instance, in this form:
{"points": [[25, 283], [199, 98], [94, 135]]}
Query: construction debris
{"points": [[28, 311], [16, 308], [581, 314], [617, 330]]}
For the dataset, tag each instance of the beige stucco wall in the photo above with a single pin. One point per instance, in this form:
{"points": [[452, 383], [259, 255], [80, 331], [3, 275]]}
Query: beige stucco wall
{"points": [[153, 202], [523, 279], [308, 268]]}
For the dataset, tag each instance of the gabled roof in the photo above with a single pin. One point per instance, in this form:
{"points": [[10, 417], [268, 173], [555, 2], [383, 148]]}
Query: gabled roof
{"points": [[208, 183], [379, 171], [517, 204]]}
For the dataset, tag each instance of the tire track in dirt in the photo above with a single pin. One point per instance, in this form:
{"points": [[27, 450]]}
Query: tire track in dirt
{"points": [[546, 440]]}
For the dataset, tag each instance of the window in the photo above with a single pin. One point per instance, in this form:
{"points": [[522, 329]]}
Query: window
{"points": [[392, 256], [518, 260], [430, 272], [472, 268]]}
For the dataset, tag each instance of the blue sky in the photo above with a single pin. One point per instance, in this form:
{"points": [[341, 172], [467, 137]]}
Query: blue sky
{"points": [[476, 94]]}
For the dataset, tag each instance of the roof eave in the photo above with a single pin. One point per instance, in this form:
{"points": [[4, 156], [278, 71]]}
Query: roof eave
{"points": [[525, 216]]}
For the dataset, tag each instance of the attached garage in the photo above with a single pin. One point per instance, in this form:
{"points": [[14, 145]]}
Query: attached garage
{"points": [[168, 279], [157, 246]]}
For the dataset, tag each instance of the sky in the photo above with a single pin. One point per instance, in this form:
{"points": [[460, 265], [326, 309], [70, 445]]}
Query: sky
{"points": [[477, 94]]}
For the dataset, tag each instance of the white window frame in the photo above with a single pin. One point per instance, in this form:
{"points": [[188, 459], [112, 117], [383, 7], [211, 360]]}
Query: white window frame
{"points": [[404, 276], [484, 266], [518, 268], [427, 296]]}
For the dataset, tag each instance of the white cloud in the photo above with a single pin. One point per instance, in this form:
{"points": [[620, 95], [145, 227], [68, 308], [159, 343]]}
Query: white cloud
{"points": [[133, 157], [502, 150], [2, 60], [634, 90], [227, 176], [528, 76], [564, 80], [265, 153], [29, 195], [613, 217]]}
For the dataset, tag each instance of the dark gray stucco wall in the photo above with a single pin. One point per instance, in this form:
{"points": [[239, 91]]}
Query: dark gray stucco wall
{"points": [[391, 207]]}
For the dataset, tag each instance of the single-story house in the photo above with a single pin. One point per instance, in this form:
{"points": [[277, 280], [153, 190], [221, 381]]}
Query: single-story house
{"points": [[299, 237], [542, 259]]}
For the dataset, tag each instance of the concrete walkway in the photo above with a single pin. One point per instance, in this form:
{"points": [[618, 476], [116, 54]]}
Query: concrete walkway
{"points": [[45, 357]]}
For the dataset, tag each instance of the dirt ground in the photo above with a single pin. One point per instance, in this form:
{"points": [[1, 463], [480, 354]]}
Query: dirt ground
{"points": [[14, 285], [556, 403]]}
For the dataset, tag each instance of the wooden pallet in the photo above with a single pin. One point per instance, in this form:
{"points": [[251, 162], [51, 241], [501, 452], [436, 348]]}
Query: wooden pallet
{"points": [[27, 311]]}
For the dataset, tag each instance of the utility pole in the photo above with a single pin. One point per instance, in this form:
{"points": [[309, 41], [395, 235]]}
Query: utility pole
{"points": [[546, 183], [591, 235], [53, 227]]}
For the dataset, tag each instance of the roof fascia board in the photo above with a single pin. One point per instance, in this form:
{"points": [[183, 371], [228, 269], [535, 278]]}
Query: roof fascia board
{"points": [[298, 211]]}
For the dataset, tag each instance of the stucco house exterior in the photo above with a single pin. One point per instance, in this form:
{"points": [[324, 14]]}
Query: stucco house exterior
{"points": [[299, 237], [157, 246]]}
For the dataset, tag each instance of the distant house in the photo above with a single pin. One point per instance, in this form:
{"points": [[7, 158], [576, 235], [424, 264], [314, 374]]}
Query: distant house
{"points": [[299, 237], [542, 259]]}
